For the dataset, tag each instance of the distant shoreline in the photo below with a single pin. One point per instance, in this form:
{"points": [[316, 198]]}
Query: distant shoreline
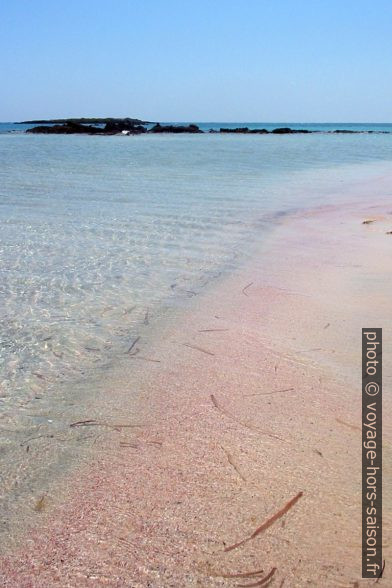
{"points": [[116, 126], [131, 126]]}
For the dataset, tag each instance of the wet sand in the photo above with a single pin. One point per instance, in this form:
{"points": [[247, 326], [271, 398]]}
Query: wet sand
{"points": [[250, 400]]}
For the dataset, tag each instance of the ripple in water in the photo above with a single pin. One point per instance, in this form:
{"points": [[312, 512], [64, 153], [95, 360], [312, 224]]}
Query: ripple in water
{"points": [[97, 231]]}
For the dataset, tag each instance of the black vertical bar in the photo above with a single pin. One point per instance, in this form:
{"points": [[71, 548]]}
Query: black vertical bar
{"points": [[371, 453]]}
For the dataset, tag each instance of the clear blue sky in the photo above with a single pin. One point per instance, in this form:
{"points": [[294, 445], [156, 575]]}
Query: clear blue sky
{"points": [[201, 60]]}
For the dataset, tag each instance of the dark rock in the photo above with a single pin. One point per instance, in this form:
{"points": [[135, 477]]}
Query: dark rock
{"points": [[70, 128], [112, 128], [244, 130], [287, 131], [158, 128], [282, 131], [235, 130]]}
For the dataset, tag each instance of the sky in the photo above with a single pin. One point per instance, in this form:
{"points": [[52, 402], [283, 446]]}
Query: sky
{"points": [[197, 60]]}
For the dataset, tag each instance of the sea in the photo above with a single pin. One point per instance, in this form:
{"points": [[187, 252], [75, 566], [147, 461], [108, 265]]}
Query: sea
{"points": [[100, 234]]}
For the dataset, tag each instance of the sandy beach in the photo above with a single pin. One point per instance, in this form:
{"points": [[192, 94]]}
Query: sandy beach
{"points": [[230, 450]]}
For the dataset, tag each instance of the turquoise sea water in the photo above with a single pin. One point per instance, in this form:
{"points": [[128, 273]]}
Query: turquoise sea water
{"points": [[97, 233]]}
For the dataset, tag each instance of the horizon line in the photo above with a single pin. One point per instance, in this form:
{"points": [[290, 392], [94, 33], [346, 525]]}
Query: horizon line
{"points": [[207, 121]]}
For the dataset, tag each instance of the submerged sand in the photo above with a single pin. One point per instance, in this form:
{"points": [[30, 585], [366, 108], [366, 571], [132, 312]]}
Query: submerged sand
{"points": [[250, 400]]}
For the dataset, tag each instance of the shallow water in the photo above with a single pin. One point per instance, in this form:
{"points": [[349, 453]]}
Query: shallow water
{"points": [[98, 231], [99, 234]]}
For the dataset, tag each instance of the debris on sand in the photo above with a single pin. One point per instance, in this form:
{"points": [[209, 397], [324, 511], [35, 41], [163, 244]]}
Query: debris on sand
{"points": [[198, 348], [230, 416], [246, 287], [348, 425], [94, 423], [381, 572], [243, 574], [133, 344], [269, 393], [40, 504], [231, 461], [268, 522], [264, 581], [212, 330]]}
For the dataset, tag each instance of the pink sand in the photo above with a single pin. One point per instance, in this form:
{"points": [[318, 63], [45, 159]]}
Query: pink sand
{"points": [[226, 438]]}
